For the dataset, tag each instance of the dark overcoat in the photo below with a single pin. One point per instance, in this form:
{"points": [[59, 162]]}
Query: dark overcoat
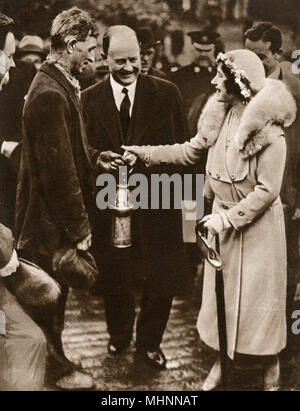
{"points": [[54, 182], [157, 118]]}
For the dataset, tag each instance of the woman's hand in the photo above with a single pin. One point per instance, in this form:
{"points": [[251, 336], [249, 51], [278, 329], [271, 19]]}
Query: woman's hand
{"points": [[216, 223], [141, 152]]}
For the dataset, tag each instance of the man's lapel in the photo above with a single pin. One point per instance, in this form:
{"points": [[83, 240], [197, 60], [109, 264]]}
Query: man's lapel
{"points": [[144, 108], [108, 115], [55, 73]]}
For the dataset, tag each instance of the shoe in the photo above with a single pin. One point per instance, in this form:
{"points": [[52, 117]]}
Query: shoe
{"points": [[272, 376], [155, 358], [213, 380], [75, 381], [114, 349]]}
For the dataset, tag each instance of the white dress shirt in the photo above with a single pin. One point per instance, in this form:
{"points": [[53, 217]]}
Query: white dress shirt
{"points": [[119, 96]]}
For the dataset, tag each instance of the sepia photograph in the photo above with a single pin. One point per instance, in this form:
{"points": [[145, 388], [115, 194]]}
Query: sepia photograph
{"points": [[149, 198]]}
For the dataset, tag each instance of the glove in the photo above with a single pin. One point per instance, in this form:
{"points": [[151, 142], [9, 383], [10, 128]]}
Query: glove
{"points": [[216, 223], [143, 153]]}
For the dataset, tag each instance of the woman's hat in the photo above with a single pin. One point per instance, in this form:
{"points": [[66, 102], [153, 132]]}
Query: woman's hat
{"points": [[251, 64]]}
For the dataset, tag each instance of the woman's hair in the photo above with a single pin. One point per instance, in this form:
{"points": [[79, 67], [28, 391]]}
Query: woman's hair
{"points": [[6, 25], [75, 22], [231, 86]]}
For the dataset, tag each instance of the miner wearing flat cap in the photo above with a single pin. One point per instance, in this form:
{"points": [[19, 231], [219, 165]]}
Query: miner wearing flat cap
{"points": [[148, 46], [194, 80]]}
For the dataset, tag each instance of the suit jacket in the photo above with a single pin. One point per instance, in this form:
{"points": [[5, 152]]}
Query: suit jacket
{"points": [[54, 182], [157, 118]]}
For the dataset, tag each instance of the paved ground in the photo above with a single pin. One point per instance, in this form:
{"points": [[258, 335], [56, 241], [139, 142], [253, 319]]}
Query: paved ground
{"points": [[85, 341]]}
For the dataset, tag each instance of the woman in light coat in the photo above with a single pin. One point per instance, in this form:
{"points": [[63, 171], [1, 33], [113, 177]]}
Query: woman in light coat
{"points": [[242, 126]]}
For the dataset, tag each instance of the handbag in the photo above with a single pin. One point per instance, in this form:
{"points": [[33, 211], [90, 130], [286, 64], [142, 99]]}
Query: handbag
{"points": [[32, 286], [75, 268]]}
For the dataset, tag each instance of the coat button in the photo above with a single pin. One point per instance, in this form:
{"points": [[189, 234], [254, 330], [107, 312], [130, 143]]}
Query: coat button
{"points": [[241, 213], [209, 173], [225, 207], [218, 176], [232, 176]]}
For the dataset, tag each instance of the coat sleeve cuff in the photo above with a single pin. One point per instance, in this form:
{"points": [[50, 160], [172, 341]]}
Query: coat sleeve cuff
{"points": [[78, 233], [238, 217]]}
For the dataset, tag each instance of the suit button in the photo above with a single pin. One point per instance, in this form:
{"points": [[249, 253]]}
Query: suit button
{"points": [[218, 176], [209, 173], [225, 207], [241, 213], [232, 176]]}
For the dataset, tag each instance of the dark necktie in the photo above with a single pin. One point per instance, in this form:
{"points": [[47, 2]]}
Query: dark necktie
{"points": [[125, 113]]}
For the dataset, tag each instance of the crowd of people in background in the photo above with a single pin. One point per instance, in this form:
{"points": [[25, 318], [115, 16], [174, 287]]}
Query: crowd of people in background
{"points": [[65, 113]]}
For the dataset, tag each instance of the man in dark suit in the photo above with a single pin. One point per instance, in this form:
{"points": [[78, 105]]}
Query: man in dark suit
{"points": [[54, 184], [133, 108]]}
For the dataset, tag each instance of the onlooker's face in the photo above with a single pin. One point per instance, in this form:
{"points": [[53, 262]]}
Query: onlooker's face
{"points": [[263, 51], [147, 56], [34, 59], [205, 58], [83, 54], [123, 59], [7, 59], [219, 82]]}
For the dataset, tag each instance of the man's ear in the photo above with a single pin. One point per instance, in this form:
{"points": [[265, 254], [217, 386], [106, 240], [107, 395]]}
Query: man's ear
{"points": [[71, 44]]}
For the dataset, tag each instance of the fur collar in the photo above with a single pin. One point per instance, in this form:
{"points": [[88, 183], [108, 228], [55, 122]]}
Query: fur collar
{"points": [[273, 104]]}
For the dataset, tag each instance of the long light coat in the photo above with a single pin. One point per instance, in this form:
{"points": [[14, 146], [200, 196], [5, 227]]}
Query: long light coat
{"points": [[244, 183]]}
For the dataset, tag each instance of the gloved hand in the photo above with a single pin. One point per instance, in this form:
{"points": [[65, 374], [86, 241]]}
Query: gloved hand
{"points": [[216, 223], [143, 153]]}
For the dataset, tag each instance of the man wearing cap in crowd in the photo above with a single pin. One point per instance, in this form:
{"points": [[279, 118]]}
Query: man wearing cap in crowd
{"points": [[22, 343], [194, 80], [148, 46], [31, 49]]}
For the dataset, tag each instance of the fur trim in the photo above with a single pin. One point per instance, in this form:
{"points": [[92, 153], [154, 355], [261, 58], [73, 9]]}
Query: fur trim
{"points": [[211, 120], [273, 104]]}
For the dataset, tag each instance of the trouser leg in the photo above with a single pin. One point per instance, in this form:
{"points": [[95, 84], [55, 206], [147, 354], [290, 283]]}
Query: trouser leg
{"points": [[119, 302], [156, 304]]}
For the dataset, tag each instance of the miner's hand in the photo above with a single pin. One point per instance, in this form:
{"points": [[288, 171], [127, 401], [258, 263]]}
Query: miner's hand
{"points": [[109, 161]]}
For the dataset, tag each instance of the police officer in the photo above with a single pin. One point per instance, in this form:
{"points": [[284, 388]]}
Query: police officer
{"points": [[194, 80]]}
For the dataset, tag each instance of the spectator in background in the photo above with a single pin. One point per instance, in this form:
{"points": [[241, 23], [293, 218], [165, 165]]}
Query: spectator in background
{"points": [[265, 39], [23, 347], [12, 101], [148, 47], [31, 50], [194, 80]]}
